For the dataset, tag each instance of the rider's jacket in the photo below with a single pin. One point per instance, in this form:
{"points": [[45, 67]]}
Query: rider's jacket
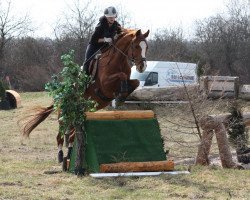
{"points": [[103, 30]]}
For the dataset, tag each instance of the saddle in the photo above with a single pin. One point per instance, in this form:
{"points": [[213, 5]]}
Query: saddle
{"points": [[93, 66]]}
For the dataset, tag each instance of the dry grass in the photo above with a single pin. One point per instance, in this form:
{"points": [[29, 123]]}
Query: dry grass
{"points": [[23, 163]]}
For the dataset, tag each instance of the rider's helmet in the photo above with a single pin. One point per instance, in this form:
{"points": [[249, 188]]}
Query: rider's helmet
{"points": [[110, 12]]}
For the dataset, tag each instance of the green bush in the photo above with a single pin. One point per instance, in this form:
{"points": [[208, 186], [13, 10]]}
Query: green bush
{"points": [[3, 88], [67, 89], [238, 134]]}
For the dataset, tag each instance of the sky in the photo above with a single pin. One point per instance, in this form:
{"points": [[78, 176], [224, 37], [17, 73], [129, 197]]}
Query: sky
{"points": [[146, 14]]}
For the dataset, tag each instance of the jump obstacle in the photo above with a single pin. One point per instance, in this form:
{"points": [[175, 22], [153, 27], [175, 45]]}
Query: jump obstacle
{"points": [[215, 124], [122, 141]]}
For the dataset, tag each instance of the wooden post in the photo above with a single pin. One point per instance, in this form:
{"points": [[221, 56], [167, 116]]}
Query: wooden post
{"points": [[80, 155], [204, 148], [236, 87], [210, 124], [223, 144]]}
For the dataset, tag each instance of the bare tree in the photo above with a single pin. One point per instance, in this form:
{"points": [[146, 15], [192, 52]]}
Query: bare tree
{"points": [[168, 45], [76, 26], [224, 41], [11, 25], [124, 18]]}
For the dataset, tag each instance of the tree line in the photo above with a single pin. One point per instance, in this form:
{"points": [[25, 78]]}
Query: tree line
{"points": [[220, 46]]}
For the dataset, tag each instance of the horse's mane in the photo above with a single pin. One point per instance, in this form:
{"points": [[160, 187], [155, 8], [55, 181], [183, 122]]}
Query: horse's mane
{"points": [[126, 32], [129, 31]]}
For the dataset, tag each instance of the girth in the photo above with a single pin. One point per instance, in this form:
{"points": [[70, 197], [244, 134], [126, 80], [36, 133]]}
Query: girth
{"points": [[99, 93]]}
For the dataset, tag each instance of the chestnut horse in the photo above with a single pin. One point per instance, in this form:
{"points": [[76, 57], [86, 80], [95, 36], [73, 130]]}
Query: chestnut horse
{"points": [[112, 79]]}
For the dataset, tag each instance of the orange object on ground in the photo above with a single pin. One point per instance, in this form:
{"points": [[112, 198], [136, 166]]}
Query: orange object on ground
{"points": [[152, 166], [14, 97]]}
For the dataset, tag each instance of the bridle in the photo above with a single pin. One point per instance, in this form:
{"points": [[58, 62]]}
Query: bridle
{"points": [[132, 57]]}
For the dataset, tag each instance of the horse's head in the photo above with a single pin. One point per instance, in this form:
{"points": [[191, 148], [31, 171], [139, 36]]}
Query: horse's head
{"points": [[138, 50]]}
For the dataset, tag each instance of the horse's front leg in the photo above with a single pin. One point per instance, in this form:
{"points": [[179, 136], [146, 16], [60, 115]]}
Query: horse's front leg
{"points": [[114, 82], [123, 86], [131, 86]]}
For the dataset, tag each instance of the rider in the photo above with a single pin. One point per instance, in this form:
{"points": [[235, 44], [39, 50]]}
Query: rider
{"points": [[103, 35]]}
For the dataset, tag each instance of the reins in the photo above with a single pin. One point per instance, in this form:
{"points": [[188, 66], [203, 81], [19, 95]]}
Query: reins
{"points": [[130, 59], [94, 54]]}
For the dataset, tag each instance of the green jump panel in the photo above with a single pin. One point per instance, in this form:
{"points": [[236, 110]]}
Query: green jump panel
{"points": [[112, 141]]}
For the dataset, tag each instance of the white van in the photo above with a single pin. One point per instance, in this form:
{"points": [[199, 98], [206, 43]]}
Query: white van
{"points": [[161, 74]]}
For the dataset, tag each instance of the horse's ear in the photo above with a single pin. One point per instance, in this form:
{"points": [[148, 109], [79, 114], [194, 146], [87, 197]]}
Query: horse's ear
{"points": [[146, 34], [138, 33]]}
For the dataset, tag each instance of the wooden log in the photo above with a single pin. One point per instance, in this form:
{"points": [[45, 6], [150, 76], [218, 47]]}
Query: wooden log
{"points": [[208, 124], [170, 93], [153, 166], [115, 115], [14, 97], [204, 148], [223, 117], [223, 145]]}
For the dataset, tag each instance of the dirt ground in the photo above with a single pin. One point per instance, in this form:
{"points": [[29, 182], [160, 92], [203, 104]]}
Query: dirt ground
{"points": [[26, 163]]}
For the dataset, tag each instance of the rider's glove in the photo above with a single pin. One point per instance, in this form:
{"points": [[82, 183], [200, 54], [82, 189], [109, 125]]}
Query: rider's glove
{"points": [[108, 40]]}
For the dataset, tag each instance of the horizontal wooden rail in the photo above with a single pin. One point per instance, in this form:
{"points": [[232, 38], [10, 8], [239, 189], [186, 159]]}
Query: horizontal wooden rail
{"points": [[115, 115], [153, 166]]}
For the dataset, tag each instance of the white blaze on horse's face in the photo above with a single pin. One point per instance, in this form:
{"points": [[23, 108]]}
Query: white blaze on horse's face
{"points": [[143, 46]]}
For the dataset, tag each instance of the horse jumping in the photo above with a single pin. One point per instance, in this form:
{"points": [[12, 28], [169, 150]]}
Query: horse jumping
{"points": [[112, 79]]}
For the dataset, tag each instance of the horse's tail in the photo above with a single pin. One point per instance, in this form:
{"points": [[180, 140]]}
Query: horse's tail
{"points": [[40, 116]]}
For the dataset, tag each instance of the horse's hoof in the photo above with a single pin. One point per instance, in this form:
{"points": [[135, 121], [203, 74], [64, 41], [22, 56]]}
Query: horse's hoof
{"points": [[119, 101], [60, 156], [80, 171], [64, 164]]}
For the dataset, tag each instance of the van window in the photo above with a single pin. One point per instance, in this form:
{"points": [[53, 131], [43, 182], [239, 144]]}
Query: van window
{"points": [[152, 79], [139, 76]]}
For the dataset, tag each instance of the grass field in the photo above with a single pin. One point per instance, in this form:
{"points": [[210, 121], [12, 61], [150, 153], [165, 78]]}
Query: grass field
{"points": [[24, 164]]}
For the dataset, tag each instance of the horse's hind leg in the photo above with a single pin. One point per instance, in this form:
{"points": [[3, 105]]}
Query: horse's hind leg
{"points": [[71, 142], [60, 141]]}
